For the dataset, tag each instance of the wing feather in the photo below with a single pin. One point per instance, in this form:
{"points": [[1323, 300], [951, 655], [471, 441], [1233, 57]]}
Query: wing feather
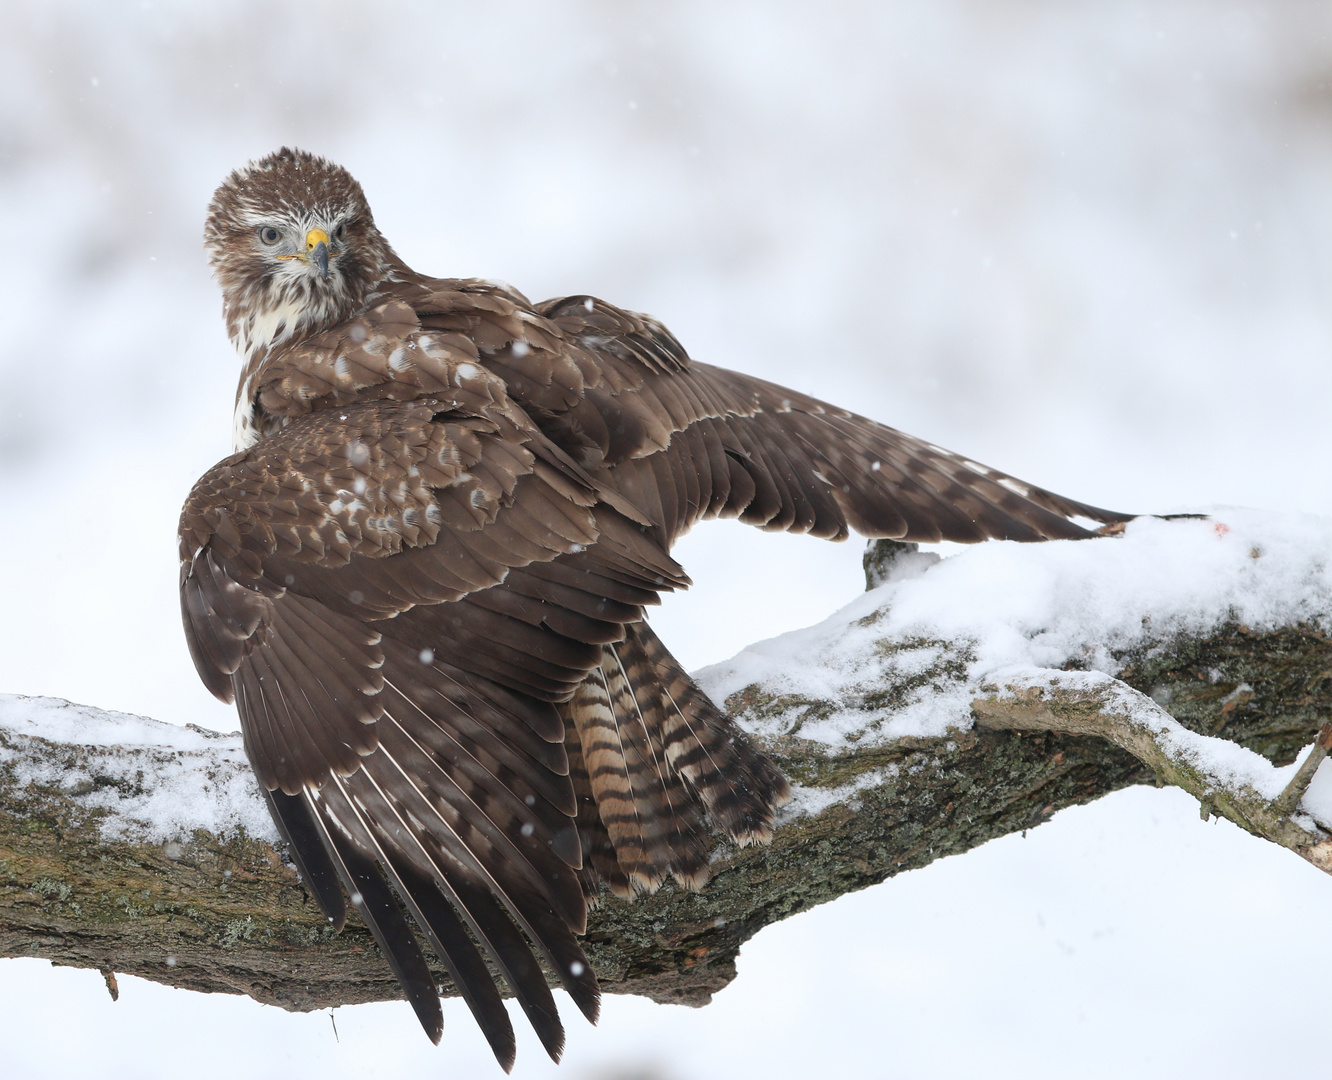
{"points": [[372, 900], [774, 457], [397, 698], [302, 836], [466, 966]]}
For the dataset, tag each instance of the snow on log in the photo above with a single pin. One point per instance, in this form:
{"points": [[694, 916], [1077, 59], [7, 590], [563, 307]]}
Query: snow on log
{"points": [[958, 700]]}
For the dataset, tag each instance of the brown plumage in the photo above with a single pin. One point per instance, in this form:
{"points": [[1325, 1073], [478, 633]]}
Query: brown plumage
{"points": [[422, 579]]}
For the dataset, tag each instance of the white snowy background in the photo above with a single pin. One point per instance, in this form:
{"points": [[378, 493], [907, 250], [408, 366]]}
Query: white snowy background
{"points": [[1086, 243]]}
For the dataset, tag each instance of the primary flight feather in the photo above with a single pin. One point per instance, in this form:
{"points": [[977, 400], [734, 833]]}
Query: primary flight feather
{"points": [[421, 578]]}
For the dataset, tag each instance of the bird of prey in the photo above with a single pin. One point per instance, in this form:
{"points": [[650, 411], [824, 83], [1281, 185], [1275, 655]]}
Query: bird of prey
{"points": [[422, 577]]}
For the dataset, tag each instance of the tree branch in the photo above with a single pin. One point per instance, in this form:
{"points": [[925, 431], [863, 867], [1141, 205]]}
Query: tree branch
{"points": [[136, 847], [1224, 777]]}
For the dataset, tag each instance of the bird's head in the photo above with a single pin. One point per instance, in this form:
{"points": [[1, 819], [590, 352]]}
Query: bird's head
{"points": [[293, 244]]}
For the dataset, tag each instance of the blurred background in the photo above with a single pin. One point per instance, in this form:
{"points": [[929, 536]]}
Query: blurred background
{"points": [[1085, 243]]}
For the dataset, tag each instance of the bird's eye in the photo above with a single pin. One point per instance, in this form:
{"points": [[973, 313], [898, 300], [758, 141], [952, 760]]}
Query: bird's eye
{"points": [[340, 233], [270, 235]]}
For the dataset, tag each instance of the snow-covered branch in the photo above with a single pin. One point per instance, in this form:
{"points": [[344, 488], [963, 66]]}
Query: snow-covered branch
{"points": [[1195, 653], [1283, 805]]}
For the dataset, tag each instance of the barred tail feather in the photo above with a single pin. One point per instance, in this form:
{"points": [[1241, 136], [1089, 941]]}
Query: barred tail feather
{"points": [[600, 864], [654, 824], [649, 755], [737, 783]]}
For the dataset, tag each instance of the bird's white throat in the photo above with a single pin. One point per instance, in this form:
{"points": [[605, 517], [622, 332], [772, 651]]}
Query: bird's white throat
{"points": [[264, 328], [267, 326]]}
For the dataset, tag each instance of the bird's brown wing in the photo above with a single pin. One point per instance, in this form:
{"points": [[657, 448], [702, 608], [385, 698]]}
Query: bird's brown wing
{"points": [[396, 594], [679, 440], [685, 441]]}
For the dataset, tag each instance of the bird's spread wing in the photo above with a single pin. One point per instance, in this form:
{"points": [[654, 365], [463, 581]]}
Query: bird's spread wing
{"points": [[685, 441], [689, 441], [680, 441], [397, 594]]}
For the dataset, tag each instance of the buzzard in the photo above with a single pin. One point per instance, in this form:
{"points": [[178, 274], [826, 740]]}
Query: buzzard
{"points": [[422, 577]]}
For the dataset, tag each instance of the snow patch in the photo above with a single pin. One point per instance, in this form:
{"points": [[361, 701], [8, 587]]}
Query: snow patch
{"points": [[806, 800], [158, 782], [908, 657]]}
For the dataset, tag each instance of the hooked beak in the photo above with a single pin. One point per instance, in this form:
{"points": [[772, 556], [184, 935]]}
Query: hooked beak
{"points": [[316, 250]]}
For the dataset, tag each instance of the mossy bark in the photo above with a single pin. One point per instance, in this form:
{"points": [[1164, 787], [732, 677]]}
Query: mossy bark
{"points": [[228, 914]]}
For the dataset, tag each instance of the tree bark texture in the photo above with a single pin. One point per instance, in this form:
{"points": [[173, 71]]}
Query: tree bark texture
{"points": [[226, 913]]}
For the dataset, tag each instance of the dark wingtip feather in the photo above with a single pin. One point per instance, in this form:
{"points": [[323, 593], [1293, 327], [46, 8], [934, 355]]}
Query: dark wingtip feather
{"points": [[379, 911], [470, 976], [515, 960], [292, 815], [381, 914], [583, 988]]}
